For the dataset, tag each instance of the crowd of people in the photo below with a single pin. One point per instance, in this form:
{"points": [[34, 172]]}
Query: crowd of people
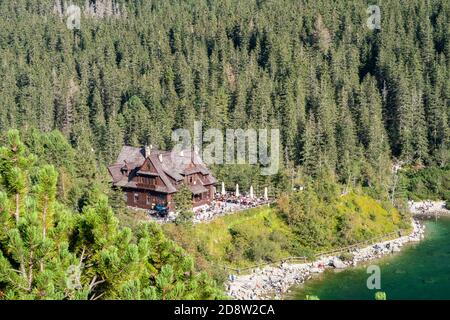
{"points": [[223, 204], [226, 204]]}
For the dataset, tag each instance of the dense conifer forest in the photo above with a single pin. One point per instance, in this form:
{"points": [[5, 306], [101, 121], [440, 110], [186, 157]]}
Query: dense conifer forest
{"points": [[346, 98], [349, 102]]}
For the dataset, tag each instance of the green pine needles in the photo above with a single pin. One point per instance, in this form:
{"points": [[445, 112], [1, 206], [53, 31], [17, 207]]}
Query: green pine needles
{"points": [[50, 252]]}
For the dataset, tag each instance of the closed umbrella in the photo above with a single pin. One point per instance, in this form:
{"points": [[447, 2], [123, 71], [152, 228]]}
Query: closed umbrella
{"points": [[266, 194], [251, 192], [237, 190], [223, 188]]}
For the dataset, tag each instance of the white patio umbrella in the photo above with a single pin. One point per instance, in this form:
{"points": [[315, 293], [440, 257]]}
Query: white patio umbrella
{"points": [[266, 194], [223, 188], [251, 192], [237, 190]]}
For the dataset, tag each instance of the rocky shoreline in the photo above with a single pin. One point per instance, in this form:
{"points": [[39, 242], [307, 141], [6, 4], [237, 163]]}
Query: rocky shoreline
{"points": [[273, 282], [428, 208]]}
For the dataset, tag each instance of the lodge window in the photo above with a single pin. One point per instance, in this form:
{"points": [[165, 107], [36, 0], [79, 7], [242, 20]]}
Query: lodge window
{"points": [[136, 197], [146, 180], [149, 199]]}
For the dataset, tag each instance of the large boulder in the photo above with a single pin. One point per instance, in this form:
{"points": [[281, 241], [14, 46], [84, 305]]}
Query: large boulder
{"points": [[338, 264]]}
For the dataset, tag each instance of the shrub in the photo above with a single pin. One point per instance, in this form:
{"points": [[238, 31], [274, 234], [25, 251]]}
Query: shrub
{"points": [[346, 256], [427, 183], [380, 295]]}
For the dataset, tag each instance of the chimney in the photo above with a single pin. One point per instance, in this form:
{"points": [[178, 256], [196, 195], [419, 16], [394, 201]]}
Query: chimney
{"points": [[160, 157], [194, 151], [148, 150], [124, 169], [182, 153]]}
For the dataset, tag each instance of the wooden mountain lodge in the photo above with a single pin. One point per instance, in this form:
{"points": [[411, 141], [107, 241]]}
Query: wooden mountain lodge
{"points": [[151, 177]]}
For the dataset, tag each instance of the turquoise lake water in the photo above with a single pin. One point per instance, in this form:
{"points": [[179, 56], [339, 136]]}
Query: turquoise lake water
{"points": [[419, 271]]}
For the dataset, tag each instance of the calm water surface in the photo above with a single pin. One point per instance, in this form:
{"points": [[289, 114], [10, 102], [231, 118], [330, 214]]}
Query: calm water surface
{"points": [[419, 271]]}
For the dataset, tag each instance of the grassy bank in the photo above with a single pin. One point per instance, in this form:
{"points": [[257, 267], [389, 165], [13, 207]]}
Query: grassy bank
{"points": [[267, 234], [237, 240]]}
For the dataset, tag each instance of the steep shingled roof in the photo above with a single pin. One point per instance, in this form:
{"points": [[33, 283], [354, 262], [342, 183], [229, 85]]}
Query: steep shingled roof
{"points": [[131, 155], [169, 166]]}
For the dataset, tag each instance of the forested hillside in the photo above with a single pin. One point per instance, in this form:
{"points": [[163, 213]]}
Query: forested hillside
{"points": [[349, 102], [48, 251], [346, 98]]}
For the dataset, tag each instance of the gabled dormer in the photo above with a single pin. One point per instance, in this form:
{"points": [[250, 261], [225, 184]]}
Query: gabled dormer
{"points": [[148, 168], [125, 169]]}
